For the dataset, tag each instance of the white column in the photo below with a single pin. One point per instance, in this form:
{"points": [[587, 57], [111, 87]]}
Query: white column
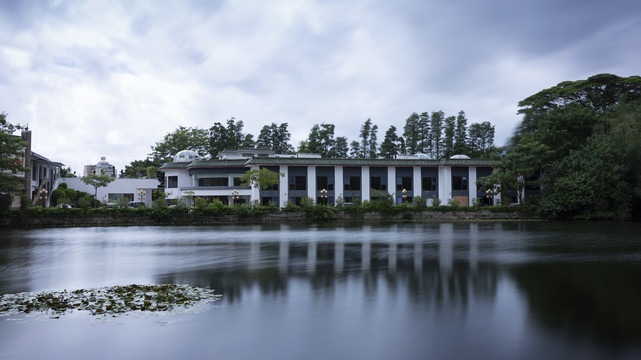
{"points": [[416, 181], [311, 182], [391, 181], [365, 188], [444, 184], [255, 190], [338, 182], [471, 171], [282, 187]]}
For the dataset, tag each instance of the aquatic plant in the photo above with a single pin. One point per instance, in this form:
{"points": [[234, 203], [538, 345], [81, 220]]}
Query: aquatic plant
{"points": [[114, 301]]}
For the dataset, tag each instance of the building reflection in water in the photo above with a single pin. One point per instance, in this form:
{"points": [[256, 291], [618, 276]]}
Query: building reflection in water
{"points": [[438, 265]]}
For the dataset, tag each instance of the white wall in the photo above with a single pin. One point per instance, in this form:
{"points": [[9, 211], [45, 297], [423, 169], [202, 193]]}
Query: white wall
{"points": [[118, 186]]}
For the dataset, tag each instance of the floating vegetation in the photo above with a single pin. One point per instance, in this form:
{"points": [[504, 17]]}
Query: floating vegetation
{"points": [[112, 301]]}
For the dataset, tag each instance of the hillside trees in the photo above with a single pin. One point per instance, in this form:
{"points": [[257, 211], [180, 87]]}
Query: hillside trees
{"points": [[592, 129]]}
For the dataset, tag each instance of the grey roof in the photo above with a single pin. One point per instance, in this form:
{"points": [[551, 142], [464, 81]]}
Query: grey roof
{"points": [[37, 157], [273, 161]]}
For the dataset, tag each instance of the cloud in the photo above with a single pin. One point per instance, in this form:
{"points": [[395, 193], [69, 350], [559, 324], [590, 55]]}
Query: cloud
{"points": [[110, 78]]}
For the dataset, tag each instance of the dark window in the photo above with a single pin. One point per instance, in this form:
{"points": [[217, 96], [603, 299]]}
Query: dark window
{"points": [[459, 182], [324, 182], [378, 183], [236, 181], [404, 182], [217, 181], [352, 183], [172, 182], [429, 183], [300, 183]]}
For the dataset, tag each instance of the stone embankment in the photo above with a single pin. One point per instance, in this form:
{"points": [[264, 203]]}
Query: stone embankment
{"points": [[285, 217]]}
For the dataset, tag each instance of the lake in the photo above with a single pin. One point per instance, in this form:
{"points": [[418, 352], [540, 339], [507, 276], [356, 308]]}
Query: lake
{"points": [[462, 290]]}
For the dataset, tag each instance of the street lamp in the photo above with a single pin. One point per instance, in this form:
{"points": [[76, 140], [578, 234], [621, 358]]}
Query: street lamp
{"points": [[43, 196], [489, 194], [235, 196], [141, 195], [324, 196], [404, 195]]}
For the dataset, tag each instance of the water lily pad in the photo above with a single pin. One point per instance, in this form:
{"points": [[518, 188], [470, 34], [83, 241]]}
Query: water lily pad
{"points": [[114, 301]]}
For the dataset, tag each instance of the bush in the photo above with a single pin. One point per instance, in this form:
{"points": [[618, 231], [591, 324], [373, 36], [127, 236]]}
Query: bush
{"points": [[85, 202], [242, 210], [436, 202], [5, 202], [320, 212], [419, 203], [56, 195], [290, 207]]}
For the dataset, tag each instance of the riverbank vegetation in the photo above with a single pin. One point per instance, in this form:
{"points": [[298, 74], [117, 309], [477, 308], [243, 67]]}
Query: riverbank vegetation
{"points": [[208, 212], [577, 152]]}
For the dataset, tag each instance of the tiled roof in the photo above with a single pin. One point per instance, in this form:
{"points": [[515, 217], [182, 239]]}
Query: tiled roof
{"points": [[175, 165]]}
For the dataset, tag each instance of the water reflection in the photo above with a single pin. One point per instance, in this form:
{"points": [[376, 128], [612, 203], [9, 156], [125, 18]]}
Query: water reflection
{"points": [[428, 266], [451, 290]]}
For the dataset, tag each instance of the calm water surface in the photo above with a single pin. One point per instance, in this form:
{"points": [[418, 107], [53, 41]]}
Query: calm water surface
{"points": [[409, 291]]}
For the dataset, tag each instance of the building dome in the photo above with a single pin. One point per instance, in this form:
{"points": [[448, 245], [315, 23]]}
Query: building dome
{"points": [[459, 156], [186, 156]]}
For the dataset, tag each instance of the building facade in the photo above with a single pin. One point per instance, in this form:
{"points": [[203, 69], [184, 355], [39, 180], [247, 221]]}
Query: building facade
{"points": [[327, 180]]}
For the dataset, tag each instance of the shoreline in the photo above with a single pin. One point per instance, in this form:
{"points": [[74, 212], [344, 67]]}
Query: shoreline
{"points": [[44, 221]]}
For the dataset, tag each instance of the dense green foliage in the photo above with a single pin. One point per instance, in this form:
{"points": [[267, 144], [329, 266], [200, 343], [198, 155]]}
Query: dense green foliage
{"points": [[11, 154], [580, 142]]}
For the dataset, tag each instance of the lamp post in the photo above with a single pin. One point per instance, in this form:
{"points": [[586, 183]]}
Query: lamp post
{"points": [[324, 196], [234, 195], [489, 194], [42, 195], [141, 195], [404, 195]]}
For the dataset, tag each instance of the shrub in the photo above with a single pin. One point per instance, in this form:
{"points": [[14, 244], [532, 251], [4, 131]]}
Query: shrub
{"points": [[306, 202], [56, 195], [320, 212], [419, 203], [436, 202], [5, 202], [290, 207], [242, 210], [84, 202]]}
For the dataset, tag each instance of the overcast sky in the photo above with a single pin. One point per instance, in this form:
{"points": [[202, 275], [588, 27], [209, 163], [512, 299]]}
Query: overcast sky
{"points": [[111, 78]]}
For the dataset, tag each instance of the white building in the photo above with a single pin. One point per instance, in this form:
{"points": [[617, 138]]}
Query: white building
{"points": [[130, 189], [325, 180]]}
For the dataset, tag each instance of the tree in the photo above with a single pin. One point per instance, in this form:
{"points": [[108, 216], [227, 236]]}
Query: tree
{"points": [[593, 127], [412, 134], [368, 146], [228, 137], [11, 154], [436, 133], [181, 139], [481, 139], [340, 148], [390, 145], [97, 181], [460, 134], [448, 139], [355, 150], [261, 178], [373, 143], [521, 168], [275, 137]]}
